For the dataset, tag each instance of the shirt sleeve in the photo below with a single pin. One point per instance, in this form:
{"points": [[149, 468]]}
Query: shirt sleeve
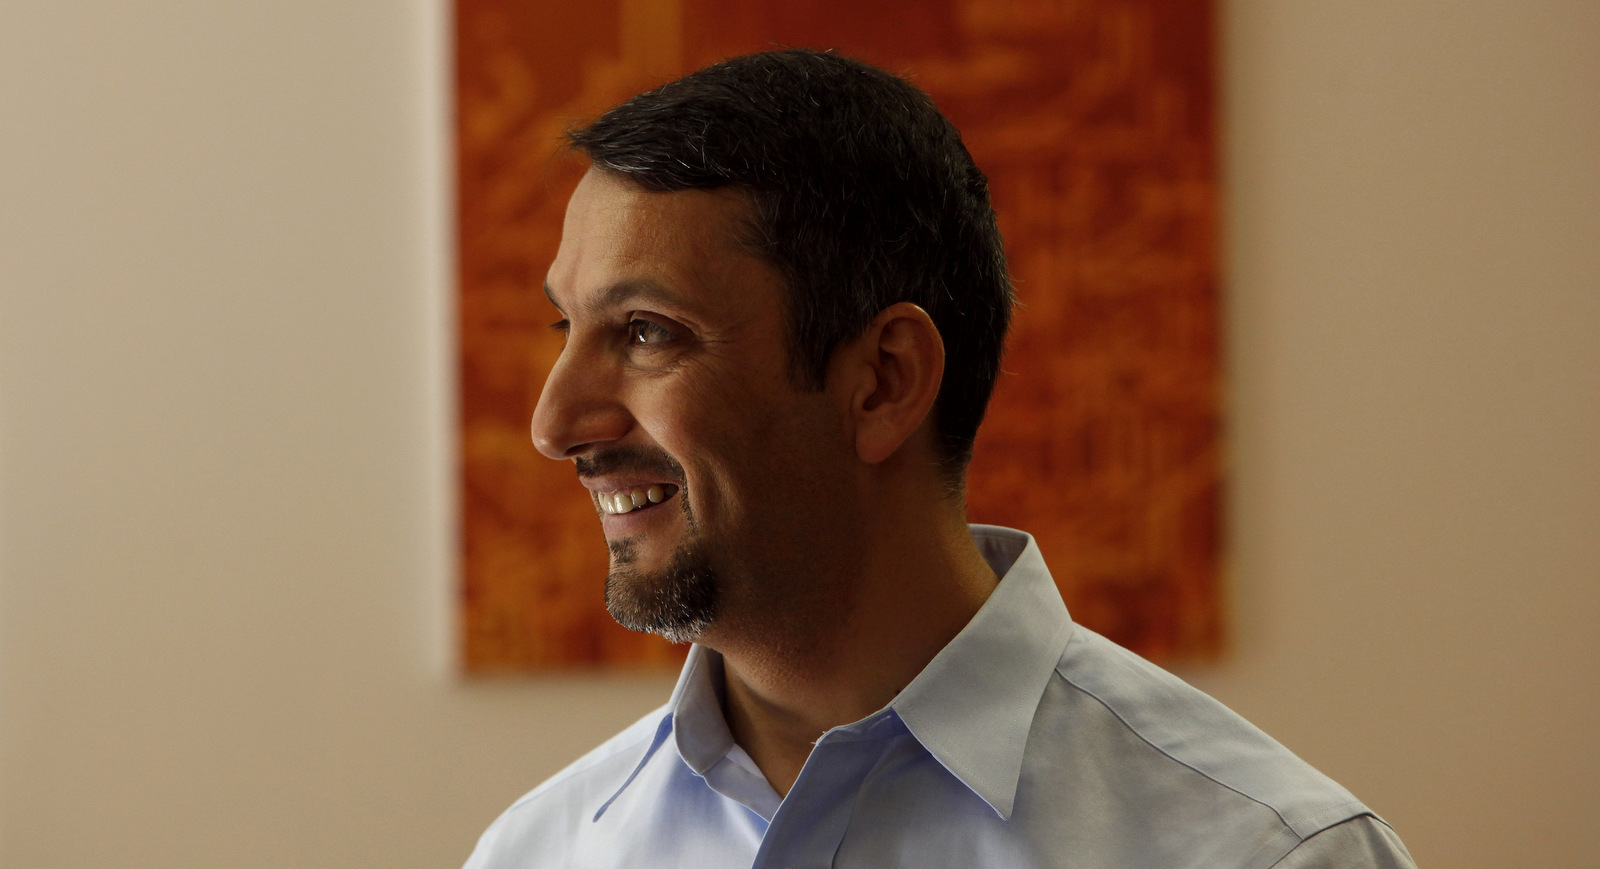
{"points": [[1363, 842]]}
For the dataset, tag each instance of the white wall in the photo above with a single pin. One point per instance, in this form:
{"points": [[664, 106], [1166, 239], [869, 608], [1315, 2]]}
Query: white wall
{"points": [[224, 458]]}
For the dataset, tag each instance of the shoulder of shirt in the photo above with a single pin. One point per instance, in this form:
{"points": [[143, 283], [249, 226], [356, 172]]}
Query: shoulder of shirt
{"points": [[1199, 733], [547, 820], [610, 762]]}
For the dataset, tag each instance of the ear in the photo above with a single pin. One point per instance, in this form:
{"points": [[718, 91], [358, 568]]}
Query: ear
{"points": [[892, 375]]}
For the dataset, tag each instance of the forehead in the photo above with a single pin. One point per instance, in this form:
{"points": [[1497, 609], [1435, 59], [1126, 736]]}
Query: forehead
{"points": [[620, 241]]}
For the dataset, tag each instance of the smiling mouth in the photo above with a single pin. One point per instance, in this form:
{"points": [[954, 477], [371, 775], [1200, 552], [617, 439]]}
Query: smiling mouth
{"points": [[629, 500]]}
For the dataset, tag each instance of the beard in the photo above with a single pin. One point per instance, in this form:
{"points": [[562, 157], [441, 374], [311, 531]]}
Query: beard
{"points": [[678, 601]]}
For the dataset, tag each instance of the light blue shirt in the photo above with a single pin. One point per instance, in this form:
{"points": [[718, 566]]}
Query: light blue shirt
{"points": [[1028, 741]]}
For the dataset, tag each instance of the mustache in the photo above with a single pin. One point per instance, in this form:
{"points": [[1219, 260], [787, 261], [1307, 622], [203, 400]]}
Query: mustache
{"points": [[645, 461]]}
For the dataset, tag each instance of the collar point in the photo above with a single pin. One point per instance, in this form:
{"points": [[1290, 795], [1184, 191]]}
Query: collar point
{"points": [[1002, 806]]}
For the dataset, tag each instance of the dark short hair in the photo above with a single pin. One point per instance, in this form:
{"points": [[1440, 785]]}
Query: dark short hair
{"points": [[864, 197]]}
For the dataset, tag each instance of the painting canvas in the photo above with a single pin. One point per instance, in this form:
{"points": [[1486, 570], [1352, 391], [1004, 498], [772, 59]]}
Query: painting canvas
{"points": [[1094, 121]]}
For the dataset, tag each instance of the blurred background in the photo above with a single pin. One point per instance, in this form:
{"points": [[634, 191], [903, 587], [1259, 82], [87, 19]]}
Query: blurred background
{"points": [[227, 468], [1095, 122]]}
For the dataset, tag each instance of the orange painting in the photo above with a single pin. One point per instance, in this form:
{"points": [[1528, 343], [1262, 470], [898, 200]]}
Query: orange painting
{"points": [[1094, 120]]}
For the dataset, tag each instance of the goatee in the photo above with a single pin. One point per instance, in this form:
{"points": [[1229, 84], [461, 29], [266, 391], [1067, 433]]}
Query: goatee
{"points": [[679, 601]]}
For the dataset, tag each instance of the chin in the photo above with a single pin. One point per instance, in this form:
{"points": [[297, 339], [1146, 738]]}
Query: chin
{"points": [[679, 600]]}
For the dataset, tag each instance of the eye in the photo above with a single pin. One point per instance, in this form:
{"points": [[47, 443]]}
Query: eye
{"points": [[646, 333]]}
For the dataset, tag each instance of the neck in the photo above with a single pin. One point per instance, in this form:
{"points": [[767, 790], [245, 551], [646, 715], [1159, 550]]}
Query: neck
{"points": [[913, 589]]}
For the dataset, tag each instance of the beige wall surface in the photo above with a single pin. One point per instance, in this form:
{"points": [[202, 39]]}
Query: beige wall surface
{"points": [[225, 461], [1414, 299]]}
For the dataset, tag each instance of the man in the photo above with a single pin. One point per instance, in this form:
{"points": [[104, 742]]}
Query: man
{"points": [[784, 299]]}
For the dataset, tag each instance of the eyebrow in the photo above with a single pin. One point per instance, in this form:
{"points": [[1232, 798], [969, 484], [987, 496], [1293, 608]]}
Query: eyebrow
{"points": [[626, 290]]}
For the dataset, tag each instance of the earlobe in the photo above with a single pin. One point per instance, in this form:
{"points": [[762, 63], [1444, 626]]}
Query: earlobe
{"points": [[901, 359]]}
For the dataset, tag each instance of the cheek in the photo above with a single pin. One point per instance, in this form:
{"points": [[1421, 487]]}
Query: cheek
{"points": [[793, 455], [699, 429], [749, 444]]}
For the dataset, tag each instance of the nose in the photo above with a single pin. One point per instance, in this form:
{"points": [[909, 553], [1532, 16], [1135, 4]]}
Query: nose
{"points": [[579, 408]]}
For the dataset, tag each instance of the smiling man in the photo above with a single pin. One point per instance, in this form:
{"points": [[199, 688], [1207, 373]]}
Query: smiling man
{"points": [[784, 300]]}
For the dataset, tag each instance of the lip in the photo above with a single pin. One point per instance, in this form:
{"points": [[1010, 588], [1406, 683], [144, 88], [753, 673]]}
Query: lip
{"points": [[605, 485], [625, 523]]}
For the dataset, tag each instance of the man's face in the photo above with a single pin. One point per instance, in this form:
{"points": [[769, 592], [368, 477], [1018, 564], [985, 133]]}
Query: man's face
{"points": [[718, 482]]}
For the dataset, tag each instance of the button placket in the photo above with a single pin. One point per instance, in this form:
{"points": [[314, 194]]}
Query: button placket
{"points": [[811, 822]]}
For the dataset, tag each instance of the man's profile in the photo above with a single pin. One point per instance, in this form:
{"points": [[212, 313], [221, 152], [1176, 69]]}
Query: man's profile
{"points": [[784, 299]]}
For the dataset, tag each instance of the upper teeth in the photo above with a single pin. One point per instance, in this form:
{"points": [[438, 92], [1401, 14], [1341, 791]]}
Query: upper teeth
{"points": [[632, 499]]}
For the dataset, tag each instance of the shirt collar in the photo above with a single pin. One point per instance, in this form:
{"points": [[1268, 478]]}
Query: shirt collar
{"points": [[692, 718], [971, 707], [698, 727]]}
